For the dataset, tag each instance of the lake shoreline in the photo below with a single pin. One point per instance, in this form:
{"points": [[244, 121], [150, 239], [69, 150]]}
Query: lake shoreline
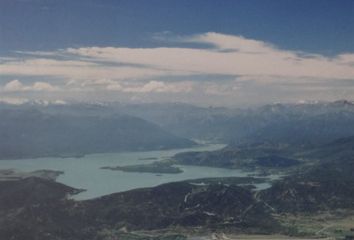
{"points": [[86, 172]]}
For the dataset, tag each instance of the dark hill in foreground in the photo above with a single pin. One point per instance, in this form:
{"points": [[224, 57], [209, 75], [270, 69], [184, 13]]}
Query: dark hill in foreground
{"points": [[183, 204], [47, 214]]}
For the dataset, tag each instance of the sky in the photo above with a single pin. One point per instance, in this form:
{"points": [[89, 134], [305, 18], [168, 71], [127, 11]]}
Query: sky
{"points": [[203, 52]]}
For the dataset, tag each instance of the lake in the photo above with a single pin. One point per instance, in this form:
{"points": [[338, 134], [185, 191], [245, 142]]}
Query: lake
{"points": [[85, 172]]}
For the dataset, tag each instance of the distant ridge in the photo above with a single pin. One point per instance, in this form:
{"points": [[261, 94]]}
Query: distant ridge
{"points": [[30, 132]]}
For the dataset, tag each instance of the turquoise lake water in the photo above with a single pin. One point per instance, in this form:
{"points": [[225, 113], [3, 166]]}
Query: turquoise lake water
{"points": [[85, 172]]}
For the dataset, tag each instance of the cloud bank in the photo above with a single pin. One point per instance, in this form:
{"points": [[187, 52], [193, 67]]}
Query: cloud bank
{"points": [[254, 66]]}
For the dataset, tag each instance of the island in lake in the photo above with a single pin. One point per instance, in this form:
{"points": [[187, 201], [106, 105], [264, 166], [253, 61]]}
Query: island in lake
{"points": [[148, 158], [155, 167], [13, 174]]}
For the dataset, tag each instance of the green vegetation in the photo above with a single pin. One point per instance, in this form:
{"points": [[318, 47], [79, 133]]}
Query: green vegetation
{"points": [[155, 167]]}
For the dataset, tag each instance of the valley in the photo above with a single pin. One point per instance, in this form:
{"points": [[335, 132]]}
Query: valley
{"points": [[272, 188]]}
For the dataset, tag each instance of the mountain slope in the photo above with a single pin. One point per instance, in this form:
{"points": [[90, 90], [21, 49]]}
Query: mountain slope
{"points": [[328, 184], [48, 215], [32, 133], [309, 123]]}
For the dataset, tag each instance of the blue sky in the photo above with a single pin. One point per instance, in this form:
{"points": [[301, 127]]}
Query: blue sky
{"points": [[59, 33]]}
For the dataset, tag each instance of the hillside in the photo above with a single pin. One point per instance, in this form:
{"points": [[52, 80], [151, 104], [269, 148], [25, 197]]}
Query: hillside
{"points": [[295, 124], [328, 184], [306, 123], [28, 133], [45, 213], [262, 155]]}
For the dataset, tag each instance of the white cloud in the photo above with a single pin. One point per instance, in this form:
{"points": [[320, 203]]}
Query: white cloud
{"points": [[114, 87], [259, 67], [74, 69], [59, 102], [161, 87], [42, 86], [13, 86], [17, 86], [13, 100], [232, 55], [230, 42], [346, 59], [152, 86], [220, 89]]}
